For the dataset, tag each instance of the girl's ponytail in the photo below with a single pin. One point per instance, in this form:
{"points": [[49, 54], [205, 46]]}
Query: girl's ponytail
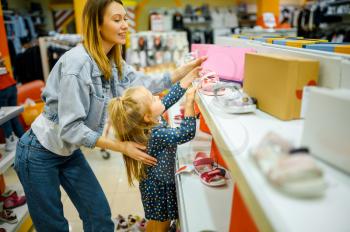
{"points": [[126, 115]]}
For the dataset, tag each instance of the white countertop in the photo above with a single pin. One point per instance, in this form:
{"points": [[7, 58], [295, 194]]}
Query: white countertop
{"points": [[272, 210]]}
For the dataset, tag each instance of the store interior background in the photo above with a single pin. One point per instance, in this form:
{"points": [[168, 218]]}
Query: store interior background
{"points": [[111, 173]]}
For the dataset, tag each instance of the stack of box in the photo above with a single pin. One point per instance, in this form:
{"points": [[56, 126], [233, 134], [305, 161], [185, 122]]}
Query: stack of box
{"points": [[277, 82]]}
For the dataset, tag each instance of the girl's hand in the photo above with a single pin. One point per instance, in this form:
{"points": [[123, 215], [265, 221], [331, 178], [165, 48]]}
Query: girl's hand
{"points": [[189, 107], [190, 94], [191, 76], [182, 71], [134, 151]]}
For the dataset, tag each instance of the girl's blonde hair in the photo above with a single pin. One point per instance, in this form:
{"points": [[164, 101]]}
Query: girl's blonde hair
{"points": [[126, 115], [93, 18]]}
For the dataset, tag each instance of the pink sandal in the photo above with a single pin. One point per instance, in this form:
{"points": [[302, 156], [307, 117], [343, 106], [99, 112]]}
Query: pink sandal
{"points": [[12, 200], [208, 80], [215, 177], [202, 163]]}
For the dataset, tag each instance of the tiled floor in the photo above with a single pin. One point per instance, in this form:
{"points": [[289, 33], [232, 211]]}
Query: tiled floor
{"points": [[111, 175]]}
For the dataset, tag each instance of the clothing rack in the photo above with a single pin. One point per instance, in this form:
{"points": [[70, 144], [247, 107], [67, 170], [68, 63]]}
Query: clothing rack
{"points": [[65, 42]]}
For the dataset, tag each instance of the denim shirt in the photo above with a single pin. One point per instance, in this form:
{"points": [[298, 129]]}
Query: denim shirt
{"points": [[76, 96], [164, 140]]}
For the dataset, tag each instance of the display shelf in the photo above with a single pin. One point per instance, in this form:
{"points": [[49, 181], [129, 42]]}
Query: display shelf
{"points": [[7, 161], [21, 212], [338, 3], [236, 135], [9, 113], [269, 32], [201, 208]]}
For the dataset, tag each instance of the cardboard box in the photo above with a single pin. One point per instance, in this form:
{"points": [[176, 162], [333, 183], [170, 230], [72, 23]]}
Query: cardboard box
{"points": [[331, 71], [330, 47], [270, 40], [345, 77], [326, 128], [280, 41], [299, 43], [321, 47], [342, 49], [277, 82]]}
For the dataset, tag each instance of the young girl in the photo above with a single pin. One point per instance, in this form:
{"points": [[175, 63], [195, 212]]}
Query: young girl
{"points": [[136, 116]]}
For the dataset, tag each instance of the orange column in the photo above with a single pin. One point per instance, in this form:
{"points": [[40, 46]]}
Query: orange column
{"points": [[5, 54], [267, 6], [241, 219], [3, 43], [78, 12]]}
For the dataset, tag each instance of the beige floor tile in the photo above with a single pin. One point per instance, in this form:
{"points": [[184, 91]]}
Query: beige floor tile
{"points": [[11, 177], [127, 203], [75, 226], [69, 210], [124, 187], [108, 183]]}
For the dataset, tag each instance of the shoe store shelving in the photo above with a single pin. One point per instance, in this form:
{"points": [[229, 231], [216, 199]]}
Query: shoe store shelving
{"points": [[21, 212], [6, 161], [7, 113], [236, 135], [201, 208]]}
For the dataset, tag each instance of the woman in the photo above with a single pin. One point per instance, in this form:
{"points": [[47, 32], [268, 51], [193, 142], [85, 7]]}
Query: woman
{"points": [[76, 95]]}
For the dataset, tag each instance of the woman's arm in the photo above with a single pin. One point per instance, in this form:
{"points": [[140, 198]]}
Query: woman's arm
{"points": [[131, 149], [156, 83], [73, 97]]}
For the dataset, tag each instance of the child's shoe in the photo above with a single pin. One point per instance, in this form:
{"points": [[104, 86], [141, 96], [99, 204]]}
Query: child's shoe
{"points": [[11, 143]]}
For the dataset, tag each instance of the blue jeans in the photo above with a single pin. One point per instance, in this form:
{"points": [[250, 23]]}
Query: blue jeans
{"points": [[8, 97], [41, 173]]}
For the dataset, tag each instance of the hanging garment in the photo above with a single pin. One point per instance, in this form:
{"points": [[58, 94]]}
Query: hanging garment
{"points": [[28, 65], [217, 19], [178, 21], [295, 18], [32, 31], [230, 19], [20, 27], [167, 21]]}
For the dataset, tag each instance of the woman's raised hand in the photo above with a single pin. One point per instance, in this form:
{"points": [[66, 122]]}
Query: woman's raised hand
{"points": [[182, 71]]}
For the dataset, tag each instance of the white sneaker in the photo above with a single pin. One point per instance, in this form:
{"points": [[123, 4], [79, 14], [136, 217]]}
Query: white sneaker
{"points": [[11, 143]]}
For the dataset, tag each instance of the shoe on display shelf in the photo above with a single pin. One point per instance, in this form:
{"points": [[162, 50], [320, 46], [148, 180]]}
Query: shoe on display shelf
{"points": [[207, 169], [234, 100], [291, 170], [11, 143], [11, 200], [207, 81], [7, 215]]}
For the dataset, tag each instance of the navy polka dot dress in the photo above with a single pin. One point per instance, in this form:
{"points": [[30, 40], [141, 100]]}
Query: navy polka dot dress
{"points": [[158, 190]]}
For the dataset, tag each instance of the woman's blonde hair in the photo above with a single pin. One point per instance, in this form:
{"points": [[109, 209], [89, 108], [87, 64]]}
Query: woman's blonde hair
{"points": [[126, 115], [93, 13]]}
